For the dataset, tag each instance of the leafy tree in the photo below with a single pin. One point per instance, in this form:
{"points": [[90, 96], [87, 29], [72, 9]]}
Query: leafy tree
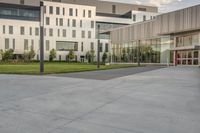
{"points": [[71, 55], [104, 57], [90, 56], [8, 55], [1, 54], [52, 55], [31, 54]]}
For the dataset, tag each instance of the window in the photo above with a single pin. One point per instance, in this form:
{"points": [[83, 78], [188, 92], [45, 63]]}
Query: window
{"points": [[74, 23], [134, 17], [70, 12], [66, 46], [106, 47], [64, 33], [25, 44], [142, 9], [47, 21], [83, 34], [4, 29], [92, 24], [22, 30], [89, 34], [68, 22], [144, 17], [92, 46], [83, 13], [61, 22], [50, 32], [63, 11], [32, 44], [73, 33], [37, 31], [57, 11], [47, 45], [7, 43], [81, 46], [89, 14], [101, 47], [30, 31], [45, 31], [81, 23], [51, 10], [13, 44], [22, 2], [45, 9], [10, 29], [76, 12], [56, 21], [113, 9], [58, 32]]}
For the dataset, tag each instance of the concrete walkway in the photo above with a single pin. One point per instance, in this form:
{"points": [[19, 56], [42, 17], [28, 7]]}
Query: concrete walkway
{"points": [[109, 74], [161, 101]]}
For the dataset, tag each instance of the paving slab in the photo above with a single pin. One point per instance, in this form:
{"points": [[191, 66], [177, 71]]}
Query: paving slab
{"points": [[158, 101], [109, 74]]}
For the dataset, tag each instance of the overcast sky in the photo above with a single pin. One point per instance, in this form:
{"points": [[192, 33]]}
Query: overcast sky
{"points": [[164, 5]]}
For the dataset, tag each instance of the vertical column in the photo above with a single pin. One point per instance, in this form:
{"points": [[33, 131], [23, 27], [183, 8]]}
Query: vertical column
{"points": [[41, 37]]}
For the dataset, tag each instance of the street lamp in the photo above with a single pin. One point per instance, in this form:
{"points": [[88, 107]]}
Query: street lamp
{"points": [[98, 48], [138, 53], [41, 37]]}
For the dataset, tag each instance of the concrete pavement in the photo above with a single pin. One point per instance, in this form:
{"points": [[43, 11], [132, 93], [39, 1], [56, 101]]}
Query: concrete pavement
{"points": [[161, 101]]}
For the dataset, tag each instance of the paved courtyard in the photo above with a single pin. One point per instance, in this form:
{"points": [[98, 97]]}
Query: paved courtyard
{"points": [[164, 100]]}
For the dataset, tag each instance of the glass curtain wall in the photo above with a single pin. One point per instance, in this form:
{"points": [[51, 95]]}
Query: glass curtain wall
{"points": [[128, 52]]}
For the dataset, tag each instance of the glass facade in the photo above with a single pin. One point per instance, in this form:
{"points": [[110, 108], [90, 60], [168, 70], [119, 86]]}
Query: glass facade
{"points": [[149, 51], [187, 40], [106, 27], [15, 12]]}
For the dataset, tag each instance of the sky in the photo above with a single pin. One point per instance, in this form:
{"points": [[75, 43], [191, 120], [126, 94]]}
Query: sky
{"points": [[163, 5]]}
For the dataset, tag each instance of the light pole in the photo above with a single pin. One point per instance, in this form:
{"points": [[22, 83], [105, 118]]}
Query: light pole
{"points": [[138, 53], [41, 37], [98, 50]]}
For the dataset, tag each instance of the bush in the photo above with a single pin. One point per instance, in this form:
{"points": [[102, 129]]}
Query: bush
{"points": [[52, 55], [71, 55], [104, 57], [7, 55]]}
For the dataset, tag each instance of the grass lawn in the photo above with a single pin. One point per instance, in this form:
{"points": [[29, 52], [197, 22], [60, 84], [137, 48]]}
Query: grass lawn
{"points": [[53, 67]]}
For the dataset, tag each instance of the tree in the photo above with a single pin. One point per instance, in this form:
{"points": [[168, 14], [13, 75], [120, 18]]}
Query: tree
{"points": [[104, 57], [52, 55], [90, 56], [31, 54], [1, 54], [8, 55], [71, 55]]}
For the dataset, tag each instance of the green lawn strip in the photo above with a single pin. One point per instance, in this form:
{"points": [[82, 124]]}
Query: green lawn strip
{"points": [[55, 67]]}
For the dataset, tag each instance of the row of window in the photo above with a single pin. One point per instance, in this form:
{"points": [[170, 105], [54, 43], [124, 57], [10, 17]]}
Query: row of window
{"points": [[60, 22], [60, 33], [60, 46], [71, 11], [144, 17]]}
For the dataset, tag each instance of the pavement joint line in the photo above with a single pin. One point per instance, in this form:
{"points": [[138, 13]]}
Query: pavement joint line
{"points": [[89, 112]]}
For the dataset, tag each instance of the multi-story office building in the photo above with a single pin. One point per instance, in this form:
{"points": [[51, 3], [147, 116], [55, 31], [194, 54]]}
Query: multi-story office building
{"points": [[172, 37], [68, 25]]}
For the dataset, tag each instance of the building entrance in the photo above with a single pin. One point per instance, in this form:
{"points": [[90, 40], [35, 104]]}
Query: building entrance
{"points": [[190, 57]]}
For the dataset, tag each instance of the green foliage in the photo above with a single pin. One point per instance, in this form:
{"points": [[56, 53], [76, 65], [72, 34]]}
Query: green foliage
{"points": [[52, 55], [104, 57], [7, 55], [90, 56], [29, 55], [71, 55]]}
